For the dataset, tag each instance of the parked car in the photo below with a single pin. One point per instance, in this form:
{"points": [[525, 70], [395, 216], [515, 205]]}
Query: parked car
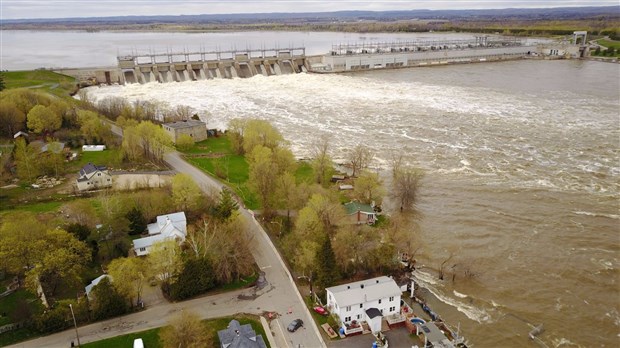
{"points": [[294, 325], [321, 310], [137, 343]]}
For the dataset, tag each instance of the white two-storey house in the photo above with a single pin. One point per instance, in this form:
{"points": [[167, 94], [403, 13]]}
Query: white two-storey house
{"points": [[367, 300]]}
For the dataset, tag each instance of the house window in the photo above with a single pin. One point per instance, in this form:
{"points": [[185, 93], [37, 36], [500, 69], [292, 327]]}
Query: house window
{"points": [[347, 319], [108, 179], [142, 249], [348, 308], [359, 316], [392, 309], [379, 301], [391, 298], [98, 174], [361, 305]]}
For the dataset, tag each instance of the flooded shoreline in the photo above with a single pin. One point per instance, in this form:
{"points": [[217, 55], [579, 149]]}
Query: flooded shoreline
{"points": [[522, 161]]}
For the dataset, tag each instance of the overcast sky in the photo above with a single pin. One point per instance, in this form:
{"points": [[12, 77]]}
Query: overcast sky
{"points": [[13, 9]]}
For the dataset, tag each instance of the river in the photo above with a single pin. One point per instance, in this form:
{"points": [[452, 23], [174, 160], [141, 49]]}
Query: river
{"points": [[522, 163]]}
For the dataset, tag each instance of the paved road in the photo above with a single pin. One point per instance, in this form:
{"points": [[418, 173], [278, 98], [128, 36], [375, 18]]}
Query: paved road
{"points": [[280, 296], [284, 298]]}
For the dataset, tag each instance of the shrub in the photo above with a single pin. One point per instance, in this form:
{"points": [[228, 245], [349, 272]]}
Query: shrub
{"points": [[196, 278]]}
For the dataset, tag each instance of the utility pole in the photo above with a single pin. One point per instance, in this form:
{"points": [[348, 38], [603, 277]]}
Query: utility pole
{"points": [[75, 325]]}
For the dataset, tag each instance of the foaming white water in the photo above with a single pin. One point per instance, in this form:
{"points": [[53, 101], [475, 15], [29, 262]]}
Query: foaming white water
{"points": [[587, 213], [431, 284], [449, 129]]}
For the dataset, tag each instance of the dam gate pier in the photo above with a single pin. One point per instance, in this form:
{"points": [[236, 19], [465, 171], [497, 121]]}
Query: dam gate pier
{"points": [[192, 66]]}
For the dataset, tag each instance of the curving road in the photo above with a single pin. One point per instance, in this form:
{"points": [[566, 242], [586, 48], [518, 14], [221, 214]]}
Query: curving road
{"points": [[284, 298], [280, 296]]}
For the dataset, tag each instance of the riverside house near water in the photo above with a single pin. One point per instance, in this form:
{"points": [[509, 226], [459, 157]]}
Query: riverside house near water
{"points": [[359, 213], [170, 226], [364, 301]]}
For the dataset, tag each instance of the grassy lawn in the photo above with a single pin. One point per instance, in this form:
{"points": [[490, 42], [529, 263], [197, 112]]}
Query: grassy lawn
{"points": [[41, 79], [11, 302], [609, 43], [239, 284], [216, 157], [304, 172], [151, 337], [108, 158], [18, 335]]}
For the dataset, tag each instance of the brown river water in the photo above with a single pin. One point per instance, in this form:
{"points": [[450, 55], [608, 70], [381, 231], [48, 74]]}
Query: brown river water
{"points": [[522, 164]]}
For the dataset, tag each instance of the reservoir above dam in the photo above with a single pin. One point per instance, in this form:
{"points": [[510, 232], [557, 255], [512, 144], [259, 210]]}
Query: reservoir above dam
{"points": [[342, 58]]}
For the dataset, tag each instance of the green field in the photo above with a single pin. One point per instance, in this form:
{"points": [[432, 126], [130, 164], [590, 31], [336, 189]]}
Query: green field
{"points": [[216, 157], [609, 43], [151, 337], [40, 79]]}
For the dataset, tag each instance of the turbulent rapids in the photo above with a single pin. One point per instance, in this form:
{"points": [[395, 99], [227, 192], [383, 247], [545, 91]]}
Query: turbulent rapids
{"points": [[522, 162]]}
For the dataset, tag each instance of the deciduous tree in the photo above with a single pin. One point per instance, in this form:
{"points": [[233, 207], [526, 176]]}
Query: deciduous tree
{"points": [[26, 161], [108, 301], [185, 330], [184, 142], [359, 158], [260, 132], [130, 275], [369, 188], [321, 160], [60, 259], [43, 119], [186, 194], [165, 262], [406, 187], [92, 127], [12, 119]]}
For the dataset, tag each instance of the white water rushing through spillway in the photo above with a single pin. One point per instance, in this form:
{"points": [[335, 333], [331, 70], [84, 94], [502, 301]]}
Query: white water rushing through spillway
{"points": [[522, 162]]}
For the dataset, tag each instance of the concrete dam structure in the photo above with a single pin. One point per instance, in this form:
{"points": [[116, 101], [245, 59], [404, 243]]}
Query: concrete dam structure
{"points": [[386, 55], [192, 66], [178, 67]]}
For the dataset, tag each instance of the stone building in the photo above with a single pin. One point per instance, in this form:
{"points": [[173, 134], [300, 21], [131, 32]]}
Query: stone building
{"points": [[195, 129]]}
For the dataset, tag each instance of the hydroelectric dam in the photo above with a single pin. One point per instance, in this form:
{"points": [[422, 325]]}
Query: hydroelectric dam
{"points": [[342, 58]]}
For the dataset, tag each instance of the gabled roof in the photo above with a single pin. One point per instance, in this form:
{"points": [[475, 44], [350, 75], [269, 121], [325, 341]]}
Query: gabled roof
{"points": [[58, 149], [354, 207], [167, 227], [178, 220], [185, 124], [373, 313], [90, 168], [364, 291], [95, 281], [240, 336]]}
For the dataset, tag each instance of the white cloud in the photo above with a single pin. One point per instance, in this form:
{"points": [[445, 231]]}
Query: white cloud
{"points": [[11, 9]]}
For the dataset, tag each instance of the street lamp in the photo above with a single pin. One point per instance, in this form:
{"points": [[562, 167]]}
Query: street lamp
{"points": [[75, 324]]}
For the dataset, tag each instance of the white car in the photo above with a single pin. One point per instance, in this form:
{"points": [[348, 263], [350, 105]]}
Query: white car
{"points": [[137, 343]]}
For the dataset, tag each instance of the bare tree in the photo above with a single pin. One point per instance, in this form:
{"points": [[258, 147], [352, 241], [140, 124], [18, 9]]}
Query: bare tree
{"points": [[406, 184], [359, 158], [396, 161], [442, 266]]}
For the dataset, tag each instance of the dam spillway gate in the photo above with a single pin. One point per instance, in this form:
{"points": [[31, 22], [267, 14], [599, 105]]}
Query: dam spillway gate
{"points": [[192, 66]]}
